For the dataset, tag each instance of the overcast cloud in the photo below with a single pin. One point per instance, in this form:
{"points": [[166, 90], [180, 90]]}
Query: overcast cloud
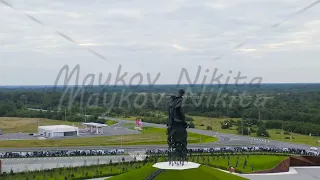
{"points": [[160, 36]]}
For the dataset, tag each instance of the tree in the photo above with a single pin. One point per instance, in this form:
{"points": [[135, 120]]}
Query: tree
{"points": [[245, 163], [191, 125], [262, 131], [226, 124]]}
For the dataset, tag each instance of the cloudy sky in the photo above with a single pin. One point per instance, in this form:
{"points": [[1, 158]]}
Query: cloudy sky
{"points": [[159, 36]]}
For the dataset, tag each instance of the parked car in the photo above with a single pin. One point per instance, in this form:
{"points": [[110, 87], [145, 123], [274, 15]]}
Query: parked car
{"points": [[314, 148]]}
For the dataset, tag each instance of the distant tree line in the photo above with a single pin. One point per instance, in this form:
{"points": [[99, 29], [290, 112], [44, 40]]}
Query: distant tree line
{"points": [[293, 104], [295, 127]]}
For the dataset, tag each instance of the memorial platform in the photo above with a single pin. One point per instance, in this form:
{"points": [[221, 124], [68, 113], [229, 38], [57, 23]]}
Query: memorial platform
{"points": [[176, 166]]}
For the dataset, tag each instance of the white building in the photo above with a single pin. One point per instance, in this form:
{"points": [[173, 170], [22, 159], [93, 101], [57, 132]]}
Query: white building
{"points": [[96, 128], [58, 131]]}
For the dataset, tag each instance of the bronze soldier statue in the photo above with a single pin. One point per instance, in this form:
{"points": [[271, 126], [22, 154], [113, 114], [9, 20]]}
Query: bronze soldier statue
{"points": [[176, 130]]}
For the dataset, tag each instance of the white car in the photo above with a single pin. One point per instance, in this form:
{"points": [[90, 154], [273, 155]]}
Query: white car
{"points": [[314, 148]]}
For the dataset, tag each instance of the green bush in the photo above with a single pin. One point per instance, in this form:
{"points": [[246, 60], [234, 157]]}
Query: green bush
{"points": [[191, 125], [188, 118]]}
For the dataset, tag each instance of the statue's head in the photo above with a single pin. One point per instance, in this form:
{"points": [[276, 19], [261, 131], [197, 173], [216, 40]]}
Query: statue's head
{"points": [[180, 93]]}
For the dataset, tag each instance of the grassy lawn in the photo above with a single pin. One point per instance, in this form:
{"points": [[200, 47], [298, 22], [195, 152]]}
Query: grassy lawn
{"points": [[274, 133], [28, 125], [298, 138], [258, 162], [110, 122], [136, 174], [202, 123], [205, 121], [149, 135], [81, 172], [203, 172]]}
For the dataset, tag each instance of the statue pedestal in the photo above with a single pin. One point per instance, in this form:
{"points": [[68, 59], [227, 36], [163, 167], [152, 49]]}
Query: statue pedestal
{"points": [[166, 165]]}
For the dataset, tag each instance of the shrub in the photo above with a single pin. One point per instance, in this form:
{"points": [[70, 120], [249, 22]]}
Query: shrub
{"points": [[209, 128], [252, 130], [191, 125], [201, 125], [189, 118]]}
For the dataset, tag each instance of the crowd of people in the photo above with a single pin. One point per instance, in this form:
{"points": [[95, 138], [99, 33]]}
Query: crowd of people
{"points": [[241, 150], [61, 153]]}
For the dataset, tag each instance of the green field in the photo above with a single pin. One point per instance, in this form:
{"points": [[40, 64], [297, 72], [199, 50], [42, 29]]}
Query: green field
{"points": [[254, 162], [202, 123], [138, 174], [148, 136], [207, 169], [110, 122], [276, 134], [77, 173], [203, 173], [29, 125]]}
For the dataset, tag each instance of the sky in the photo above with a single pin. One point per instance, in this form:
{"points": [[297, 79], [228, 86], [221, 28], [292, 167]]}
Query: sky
{"points": [[159, 41]]}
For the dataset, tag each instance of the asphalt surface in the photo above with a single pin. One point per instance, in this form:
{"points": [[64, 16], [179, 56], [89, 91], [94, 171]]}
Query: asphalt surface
{"points": [[228, 139], [301, 173], [31, 164]]}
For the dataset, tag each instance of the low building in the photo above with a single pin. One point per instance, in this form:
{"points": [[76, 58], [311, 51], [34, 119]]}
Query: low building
{"points": [[58, 131], [96, 128]]}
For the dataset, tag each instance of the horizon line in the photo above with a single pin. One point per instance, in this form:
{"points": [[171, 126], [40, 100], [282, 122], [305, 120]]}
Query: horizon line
{"points": [[133, 85]]}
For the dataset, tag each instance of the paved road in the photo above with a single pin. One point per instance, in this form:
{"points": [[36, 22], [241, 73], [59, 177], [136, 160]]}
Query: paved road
{"points": [[116, 129], [228, 139], [298, 173], [23, 164]]}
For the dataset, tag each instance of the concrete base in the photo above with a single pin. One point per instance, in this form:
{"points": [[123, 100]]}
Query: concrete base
{"points": [[176, 166]]}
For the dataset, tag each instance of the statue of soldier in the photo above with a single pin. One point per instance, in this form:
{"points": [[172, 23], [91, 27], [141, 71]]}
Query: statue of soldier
{"points": [[176, 130]]}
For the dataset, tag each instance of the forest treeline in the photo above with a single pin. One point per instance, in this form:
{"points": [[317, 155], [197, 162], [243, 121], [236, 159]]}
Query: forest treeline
{"points": [[298, 109]]}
